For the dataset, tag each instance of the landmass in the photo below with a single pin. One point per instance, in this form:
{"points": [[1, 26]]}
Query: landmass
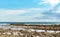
{"points": [[23, 30]]}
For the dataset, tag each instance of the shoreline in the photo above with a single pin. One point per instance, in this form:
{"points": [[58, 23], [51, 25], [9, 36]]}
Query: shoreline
{"points": [[24, 31]]}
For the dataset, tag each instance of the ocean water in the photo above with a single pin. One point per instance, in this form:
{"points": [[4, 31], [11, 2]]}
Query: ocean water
{"points": [[32, 23]]}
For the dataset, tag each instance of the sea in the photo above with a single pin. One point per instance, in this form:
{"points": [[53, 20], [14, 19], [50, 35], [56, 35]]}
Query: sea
{"points": [[30, 23]]}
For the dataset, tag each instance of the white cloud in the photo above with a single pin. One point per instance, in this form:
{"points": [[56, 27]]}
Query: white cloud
{"points": [[16, 12], [43, 2], [38, 15], [57, 10], [47, 19], [50, 20], [51, 2], [35, 9], [14, 15], [12, 12]]}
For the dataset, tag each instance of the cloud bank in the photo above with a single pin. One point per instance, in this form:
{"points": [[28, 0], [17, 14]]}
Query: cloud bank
{"points": [[49, 11]]}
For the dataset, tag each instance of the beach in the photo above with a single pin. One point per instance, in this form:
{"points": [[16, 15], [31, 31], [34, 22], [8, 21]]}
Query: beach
{"points": [[27, 31]]}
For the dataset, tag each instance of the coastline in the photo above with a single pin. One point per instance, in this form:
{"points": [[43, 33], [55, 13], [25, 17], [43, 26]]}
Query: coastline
{"points": [[26, 31]]}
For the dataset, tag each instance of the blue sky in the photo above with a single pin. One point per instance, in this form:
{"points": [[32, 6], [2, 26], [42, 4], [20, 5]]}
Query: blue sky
{"points": [[29, 11]]}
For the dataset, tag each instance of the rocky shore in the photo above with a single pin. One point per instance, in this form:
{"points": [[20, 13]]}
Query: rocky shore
{"points": [[26, 32]]}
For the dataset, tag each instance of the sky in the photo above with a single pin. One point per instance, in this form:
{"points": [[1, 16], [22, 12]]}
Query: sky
{"points": [[29, 10]]}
